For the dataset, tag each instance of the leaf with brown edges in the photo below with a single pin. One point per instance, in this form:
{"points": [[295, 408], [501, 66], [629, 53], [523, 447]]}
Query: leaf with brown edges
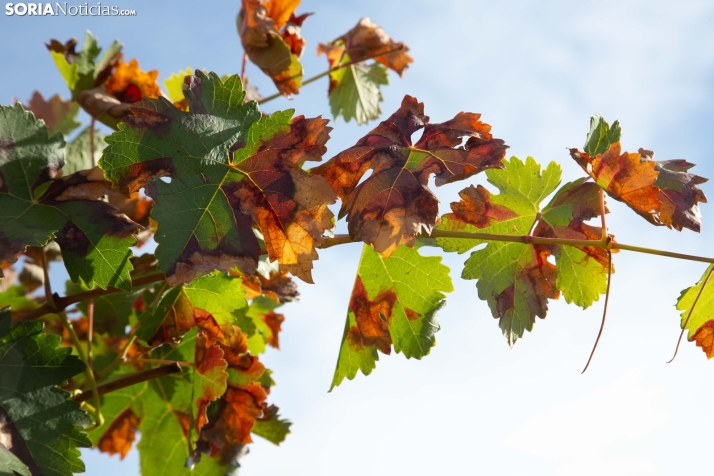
{"points": [[229, 170], [394, 204]]}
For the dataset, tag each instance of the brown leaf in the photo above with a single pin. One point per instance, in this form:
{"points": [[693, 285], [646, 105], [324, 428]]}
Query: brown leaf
{"points": [[366, 40], [394, 204], [626, 178], [678, 192], [120, 435], [273, 321], [263, 41]]}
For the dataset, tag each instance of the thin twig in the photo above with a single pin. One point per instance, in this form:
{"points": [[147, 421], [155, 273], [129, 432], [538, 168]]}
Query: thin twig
{"points": [[604, 310], [90, 330], [49, 298], [603, 232], [62, 303], [689, 315], [88, 372], [325, 73], [157, 361], [242, 69], [129, 380]]}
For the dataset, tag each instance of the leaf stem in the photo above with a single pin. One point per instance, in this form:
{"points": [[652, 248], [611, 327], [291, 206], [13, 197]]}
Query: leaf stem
{"points": [[49, 298], [98, 417], [603, 233], [62, 303], [604, 310], [129, 380], [689, 315], [157, 361], [325, 73]]}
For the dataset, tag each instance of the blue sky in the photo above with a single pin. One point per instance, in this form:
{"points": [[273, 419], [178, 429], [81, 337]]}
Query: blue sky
{"points": [[536, 71]]}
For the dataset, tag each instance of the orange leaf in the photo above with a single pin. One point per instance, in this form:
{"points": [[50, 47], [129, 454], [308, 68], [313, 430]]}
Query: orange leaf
{"points": [[120, 435], [128, 83]]}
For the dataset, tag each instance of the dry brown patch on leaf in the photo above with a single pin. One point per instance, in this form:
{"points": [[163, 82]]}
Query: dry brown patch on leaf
{"points": [[263, 41], [626, 178], [289, 205], [367, 40], [678, 192], [394, 204], [120, 435], [371, 316]]}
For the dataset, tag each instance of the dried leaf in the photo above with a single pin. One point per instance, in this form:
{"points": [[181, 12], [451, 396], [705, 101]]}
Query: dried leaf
{"points": [[230, 172], [367, 40], [394, 204], [120, 435], [129, 83], [263, 42]]}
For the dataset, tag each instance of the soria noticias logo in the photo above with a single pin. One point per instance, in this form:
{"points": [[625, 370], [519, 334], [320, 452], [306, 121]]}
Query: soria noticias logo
{"points": [[64, 9]]}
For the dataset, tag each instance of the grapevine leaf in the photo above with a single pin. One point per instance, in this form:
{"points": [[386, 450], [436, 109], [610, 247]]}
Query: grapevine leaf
{"points": [[516, 279], [394, 204], [129, 83], [678, 192], [40, 426], [85, 69], [354, 90], [394, 303], [209, 378], [228, 171], [271, 427], [698, 321], [174, 86], [10, 465], [601, 136], [264, 44], [95, 238], [77, 154], [208, 303], [368, 40], [59, 115], [581, 271]]}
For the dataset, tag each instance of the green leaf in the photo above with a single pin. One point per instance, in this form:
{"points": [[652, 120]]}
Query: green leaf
{"points": [[95, 238], [217, 294], [78, 156], [10, 465], [581, 272], [699, 322], [174, 85], [354, 91], [217, 156], [16, 297], [601, 135], [41, 423], [250, 320], [84, 70], [394, 303], [517, 279], [273, 428]]}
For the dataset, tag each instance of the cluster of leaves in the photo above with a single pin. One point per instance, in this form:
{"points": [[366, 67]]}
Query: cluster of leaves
{"points": [[226, 194]]}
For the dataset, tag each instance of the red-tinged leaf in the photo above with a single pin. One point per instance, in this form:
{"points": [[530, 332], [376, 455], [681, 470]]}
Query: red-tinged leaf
{"points": [[704, 338], [120, 436], [368, 40], [394, 204], [59, 115], [263, 41], [678, 192], [273, 321], [625, 177], [210, 378]]}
